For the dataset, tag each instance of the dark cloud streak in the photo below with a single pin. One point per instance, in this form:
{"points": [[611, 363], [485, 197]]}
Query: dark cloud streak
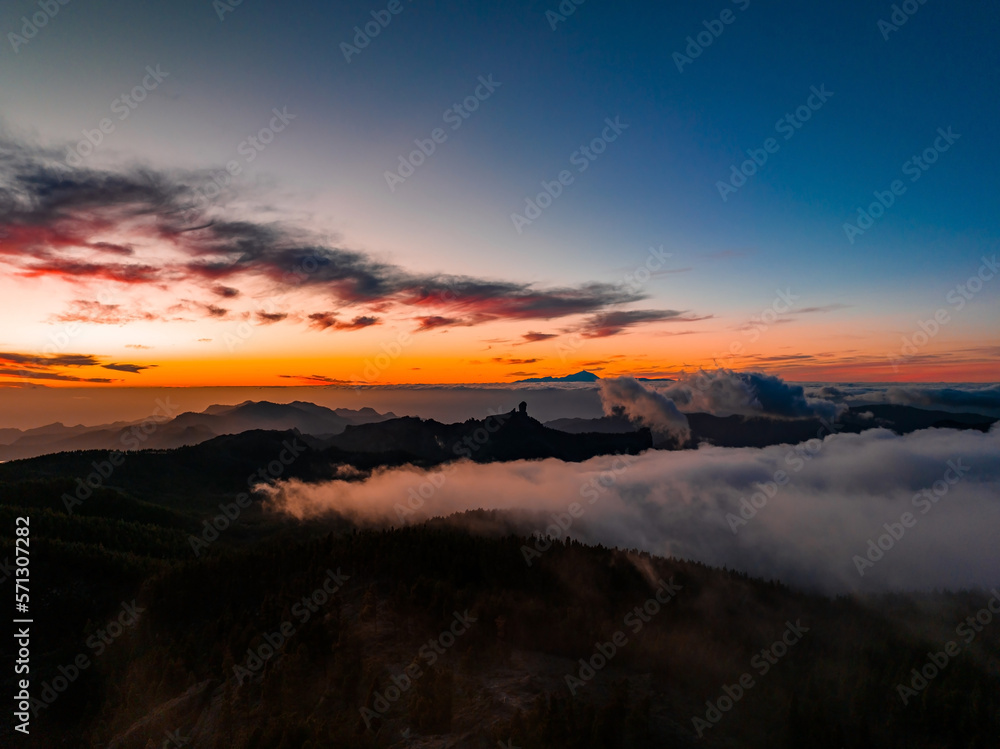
{"points": [[47, 208]]}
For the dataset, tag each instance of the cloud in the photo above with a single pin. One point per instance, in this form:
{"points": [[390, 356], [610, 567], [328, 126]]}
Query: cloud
{"points": [[983, 397], [612, 323], [45, 375], [324, 320], [625, 395], [724, 392], [53, 360], [269, 318], [44, 367], [519, 362], [322, 379], [96, 313], [114, 249], [433, 322], [969, 397], [48, 212], [133, 368], [362, 321], [133, 273], [532, 337], [833, 500], [721, 392]]}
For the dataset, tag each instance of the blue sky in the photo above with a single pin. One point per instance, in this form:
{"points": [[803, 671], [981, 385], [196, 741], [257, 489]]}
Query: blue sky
{"points": [[655, 185]]}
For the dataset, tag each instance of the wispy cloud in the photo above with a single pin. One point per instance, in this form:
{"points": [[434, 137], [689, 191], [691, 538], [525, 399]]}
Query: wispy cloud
{"points": [[315, 379], [47, 367], [533, 337], [96, 313], [133, 368], [49, 214], [612, 323]]}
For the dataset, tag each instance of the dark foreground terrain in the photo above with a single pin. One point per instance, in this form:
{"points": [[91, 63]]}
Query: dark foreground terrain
{"points": [[269, 633]]}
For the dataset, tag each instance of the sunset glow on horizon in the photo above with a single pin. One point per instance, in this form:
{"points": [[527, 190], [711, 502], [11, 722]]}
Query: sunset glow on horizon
{"points": [[481, 216]]}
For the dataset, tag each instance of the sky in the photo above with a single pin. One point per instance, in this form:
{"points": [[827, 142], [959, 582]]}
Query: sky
{"points": [[265, 194]]}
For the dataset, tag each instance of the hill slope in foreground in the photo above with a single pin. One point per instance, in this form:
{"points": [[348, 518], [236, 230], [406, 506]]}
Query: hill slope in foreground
{"points": [[458, 632]]}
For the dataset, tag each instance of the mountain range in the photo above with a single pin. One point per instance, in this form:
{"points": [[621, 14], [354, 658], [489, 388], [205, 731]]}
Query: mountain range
{"points": [[187, 428], [501, 437], [581, 376]]}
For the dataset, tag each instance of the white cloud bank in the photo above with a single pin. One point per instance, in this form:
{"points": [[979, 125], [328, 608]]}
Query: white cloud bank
{"points": [[836, 494]]}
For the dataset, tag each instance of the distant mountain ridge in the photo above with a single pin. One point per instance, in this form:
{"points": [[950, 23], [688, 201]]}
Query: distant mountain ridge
{"points": [[187, 475], [510, 436], [188, 428], [581, 376]]}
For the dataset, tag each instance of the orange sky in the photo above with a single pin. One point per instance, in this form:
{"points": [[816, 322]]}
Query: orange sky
{"points": [[140, 289]]}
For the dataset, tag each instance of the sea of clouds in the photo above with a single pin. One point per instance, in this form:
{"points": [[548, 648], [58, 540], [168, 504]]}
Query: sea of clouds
{"points": [[807, 515]]}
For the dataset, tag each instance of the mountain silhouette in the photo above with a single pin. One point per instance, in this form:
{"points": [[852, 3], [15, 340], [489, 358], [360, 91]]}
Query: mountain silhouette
{"points": [[185, 477], [581, 376], [506, 436], [189, 428]]}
